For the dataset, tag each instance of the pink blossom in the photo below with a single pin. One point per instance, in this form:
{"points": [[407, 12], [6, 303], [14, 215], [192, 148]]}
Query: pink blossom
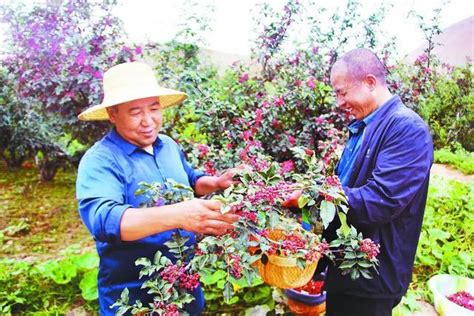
{"points": [[279, 101], [319, 120], [287, 166], [203, 150], [209, 168], [275, 123], [258, 116], [247, 135], [291, 140], [311, 83], [243, 78], [138, 50]]}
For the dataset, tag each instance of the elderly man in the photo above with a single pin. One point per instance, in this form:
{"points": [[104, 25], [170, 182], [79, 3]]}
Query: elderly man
{"points": [[384, 171], [109, 174]]}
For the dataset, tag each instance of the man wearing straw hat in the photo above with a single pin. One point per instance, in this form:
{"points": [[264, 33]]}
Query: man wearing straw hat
{"points": [[109, 174]]}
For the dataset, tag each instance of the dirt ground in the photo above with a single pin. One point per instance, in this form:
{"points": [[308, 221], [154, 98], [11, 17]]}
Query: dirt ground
{"points": [[451, 173]]}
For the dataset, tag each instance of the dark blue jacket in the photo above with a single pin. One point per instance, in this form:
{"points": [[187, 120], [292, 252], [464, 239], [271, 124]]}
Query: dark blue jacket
{"points": [[387, 195]]}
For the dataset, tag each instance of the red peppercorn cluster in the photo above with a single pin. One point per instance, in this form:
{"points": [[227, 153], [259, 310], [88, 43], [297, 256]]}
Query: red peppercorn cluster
{"points": [[333, 181], [189, 281], [463, 299], [293, 243], [173, 273], [169, 310], [312, 256], [236, 268], [369, 248]]}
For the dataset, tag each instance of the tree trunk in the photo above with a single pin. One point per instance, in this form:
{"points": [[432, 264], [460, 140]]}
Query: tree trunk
{"points": [[48, 169]]}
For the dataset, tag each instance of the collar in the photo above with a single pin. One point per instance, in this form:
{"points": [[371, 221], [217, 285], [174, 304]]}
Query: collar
{"points": [[128, 147]]}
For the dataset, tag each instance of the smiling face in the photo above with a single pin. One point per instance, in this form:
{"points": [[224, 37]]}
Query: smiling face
{"points": [[356, 96], [138, 121]]}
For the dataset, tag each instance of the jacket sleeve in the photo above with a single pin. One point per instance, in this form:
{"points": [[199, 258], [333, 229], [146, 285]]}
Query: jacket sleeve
{"points": [[401, 168], [100, 193]]}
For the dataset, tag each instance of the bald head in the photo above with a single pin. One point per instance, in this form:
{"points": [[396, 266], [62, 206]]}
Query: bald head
{"points": [[359, 63]]}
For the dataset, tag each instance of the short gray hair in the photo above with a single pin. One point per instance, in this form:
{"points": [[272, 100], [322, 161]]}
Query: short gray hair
{"points": [[361, 62]]}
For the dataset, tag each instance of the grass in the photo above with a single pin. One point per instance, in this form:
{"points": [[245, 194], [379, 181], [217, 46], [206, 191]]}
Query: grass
{"points": [[460, 159], [38, 219]]}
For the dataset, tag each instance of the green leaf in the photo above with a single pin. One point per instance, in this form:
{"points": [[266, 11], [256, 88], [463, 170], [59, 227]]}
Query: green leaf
{"points": [[327, 212], [303, 200], [355, 274], [209, 279], [438, 234], [345, 229], [60, 272], [270, 88], [347, 264], [88, 286], [87, 261], [124, 296], [228, 291], [144, 261], [366, 274], [301, 263]]}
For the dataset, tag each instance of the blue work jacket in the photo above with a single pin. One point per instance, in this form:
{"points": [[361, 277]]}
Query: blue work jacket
{"points": [[387, 193]]}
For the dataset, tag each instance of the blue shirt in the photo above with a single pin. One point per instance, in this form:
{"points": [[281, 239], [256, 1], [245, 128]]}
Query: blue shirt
{"points": [[349, 155], [108, 177]]}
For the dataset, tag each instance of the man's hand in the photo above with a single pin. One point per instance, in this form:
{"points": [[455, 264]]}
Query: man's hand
{"points": [[226, 179], [209, 184], [204, 217]]}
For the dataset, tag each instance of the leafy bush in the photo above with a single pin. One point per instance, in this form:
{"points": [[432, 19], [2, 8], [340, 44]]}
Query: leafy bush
{"points": [[244, 296], [449, 110], [447, 238], [53, 285], [460, 159], [54, 55]]}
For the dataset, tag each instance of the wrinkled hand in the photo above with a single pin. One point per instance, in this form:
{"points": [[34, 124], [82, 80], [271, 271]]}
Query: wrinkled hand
{"points": [[204, 217]]}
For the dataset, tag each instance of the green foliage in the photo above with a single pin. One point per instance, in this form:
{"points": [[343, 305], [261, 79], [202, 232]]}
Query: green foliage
{"points": [[169, 281], [51, 286], [446, 241], [449, 110], [244, 295], [447, 238], [460, 159], [24, 130]]}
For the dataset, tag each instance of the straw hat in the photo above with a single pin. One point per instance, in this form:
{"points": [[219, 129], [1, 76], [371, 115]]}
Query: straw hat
{"points": [[128, 82]]}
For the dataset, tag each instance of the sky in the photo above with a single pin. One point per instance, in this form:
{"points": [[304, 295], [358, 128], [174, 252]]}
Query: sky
{"points": [[232, 23]]}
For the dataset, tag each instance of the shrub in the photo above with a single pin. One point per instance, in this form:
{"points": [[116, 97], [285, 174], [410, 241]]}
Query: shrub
{"points": [[449, 110], [460, 159], [53, 285]]}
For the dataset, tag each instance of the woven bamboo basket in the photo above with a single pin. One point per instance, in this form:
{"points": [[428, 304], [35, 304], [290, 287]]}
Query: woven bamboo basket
{"points": [[283, 272]]}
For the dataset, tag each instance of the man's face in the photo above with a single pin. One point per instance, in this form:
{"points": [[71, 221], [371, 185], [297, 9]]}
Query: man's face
{"points": [[354, 96], [138, 121]]}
